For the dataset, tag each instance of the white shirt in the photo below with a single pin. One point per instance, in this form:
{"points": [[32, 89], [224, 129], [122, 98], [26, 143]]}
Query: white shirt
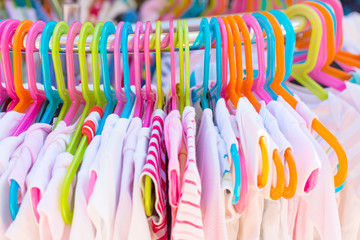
{"points": [[124, 206], [51, 224], [212, 201], [82, 227], [103, 201], [138, 218], [9, 122]]}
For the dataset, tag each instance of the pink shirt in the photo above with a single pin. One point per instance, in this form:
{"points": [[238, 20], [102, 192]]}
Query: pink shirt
{"points": [[155, 168], [173, 142], [189, 224]]}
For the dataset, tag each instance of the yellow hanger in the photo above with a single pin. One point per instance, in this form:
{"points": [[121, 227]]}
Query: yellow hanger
{"points": [[149, 197]]}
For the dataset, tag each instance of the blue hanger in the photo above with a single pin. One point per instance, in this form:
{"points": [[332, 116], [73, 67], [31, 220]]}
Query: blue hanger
{"points": [[197, 8], [271, 56], [51, 94], [215, 33], [130, 96], [203, 39], [289, 45], [110, 95]]}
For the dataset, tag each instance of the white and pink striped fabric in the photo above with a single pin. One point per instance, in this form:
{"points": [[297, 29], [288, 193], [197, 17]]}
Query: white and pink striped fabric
{"points": [[189, 223], [155, 168]]}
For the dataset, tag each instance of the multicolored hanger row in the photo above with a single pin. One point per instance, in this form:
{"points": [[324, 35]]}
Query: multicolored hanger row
{"points": [[307, 60]]}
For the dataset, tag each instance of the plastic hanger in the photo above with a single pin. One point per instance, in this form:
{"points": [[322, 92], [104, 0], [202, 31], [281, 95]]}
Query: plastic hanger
{"points": [[271, 54], [204, 39], [289, 191], [118, 71], [52, 94], [327, 51], [280, 74], [3, 92], [301, 71], [182, 8], [187, 62], [91, 98], [289, 44], [172, 67], [60, 29], [139, 100], [215, 7], [148, 186], [230, 89], [76, 96], [180, 40], [130, 96], [224, 41], [309, 13], [253, 24], [23, 94], [215, 91], [149, 98], [37, 96], [110, 95], [196, 9], [245, 88], [6, 40], [218, 28], [233, 149]]}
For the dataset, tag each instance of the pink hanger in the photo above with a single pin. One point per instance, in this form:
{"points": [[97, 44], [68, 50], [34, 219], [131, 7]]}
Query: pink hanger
{"points": [[6, 40], [76, 96], [172, 65], [259, 82], [118, 70], [317, 73], [339, 14], [224, 42], [149, 99], [3, 93], [37, 95], [139, 101]]}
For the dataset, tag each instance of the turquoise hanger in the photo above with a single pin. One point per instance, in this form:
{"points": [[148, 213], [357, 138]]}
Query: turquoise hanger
{"points": [[196, 10], [271, 56], [203, 38], [51, 94], [130, 96], [215, 33], [289, 46], [110, 95]]}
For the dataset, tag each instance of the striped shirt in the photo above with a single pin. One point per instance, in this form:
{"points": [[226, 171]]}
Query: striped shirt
{"points": [[155, 168], [188, 223]]}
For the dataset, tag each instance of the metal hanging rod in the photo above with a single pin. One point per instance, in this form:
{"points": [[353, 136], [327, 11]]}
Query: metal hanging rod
{"points": [[193, 24]]}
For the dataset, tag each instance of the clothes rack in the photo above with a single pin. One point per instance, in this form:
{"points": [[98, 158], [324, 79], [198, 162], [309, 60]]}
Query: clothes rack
{"points": [[194, 23]]}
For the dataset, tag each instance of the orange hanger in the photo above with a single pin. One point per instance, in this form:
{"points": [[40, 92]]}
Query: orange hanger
{"points": [[340, 176], [233, 31], [276, 192], [290, 190], [25, 99], [230, 92]]}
